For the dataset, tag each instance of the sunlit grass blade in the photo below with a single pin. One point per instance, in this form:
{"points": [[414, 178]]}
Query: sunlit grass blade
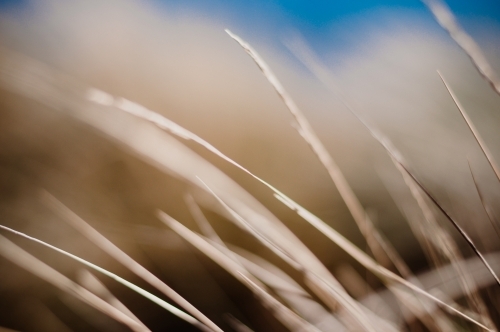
{"points": [[308, 58], [282, 313], [102, 242], [92, 283], [447, 20], [364, 259], [291, 292], [201, 220], [28, 262], [304, 128], [165, 305], [381, 248], [439, 237], [473, 129], [280, 233], [293, 321], [334, 294]]}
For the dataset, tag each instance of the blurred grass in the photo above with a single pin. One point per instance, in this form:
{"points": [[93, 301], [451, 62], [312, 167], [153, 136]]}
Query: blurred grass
{"points": [[206, 85]]}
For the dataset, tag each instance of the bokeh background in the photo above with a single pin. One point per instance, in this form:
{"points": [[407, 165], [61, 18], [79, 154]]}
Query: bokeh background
{"points": [[174, 57]]}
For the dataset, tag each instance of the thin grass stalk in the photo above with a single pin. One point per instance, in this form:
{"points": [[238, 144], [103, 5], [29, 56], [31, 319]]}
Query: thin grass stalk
{"points": [[360, 256], [334, 295], [440, 238], [287, 289], [201, 220], [92, 283], [103, 98], [366, 260], [282, 313], [153, 298], [453, 222], [360, 216], [269, 274], [475, 133], [417, 226], [304, 128], [311, 61], [28, 262], [308, 58], [293, 321], [447, 20], [486, 208], [102, 242], [158, 120]]}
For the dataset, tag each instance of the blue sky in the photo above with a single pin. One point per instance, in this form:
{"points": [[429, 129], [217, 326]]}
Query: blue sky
{"points": [[324, 20], [315, 20], [322, 13], [314, 14]]}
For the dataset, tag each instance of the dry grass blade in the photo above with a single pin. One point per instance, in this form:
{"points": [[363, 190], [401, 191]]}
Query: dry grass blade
{"points": [[245, 225], [201, 220], [397, 159], [453, 222], [445, 282], [293, 321], [305, 130], [203, 245], [282, 313], [332, 294], [146, 294], [102, 242], [278, 232], [448, 21], [307, 259], [28, 262], [419, 229], [381, 250], [291, 292], [364, 259], [474, 131], [103, 98], [272, 226], [443, 241], [486, 208], [89, 281], [380, 247], [438, 236], [236, 324]]}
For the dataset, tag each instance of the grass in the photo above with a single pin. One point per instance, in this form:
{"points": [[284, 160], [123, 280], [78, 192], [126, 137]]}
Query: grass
{"points": [[302, 294]]}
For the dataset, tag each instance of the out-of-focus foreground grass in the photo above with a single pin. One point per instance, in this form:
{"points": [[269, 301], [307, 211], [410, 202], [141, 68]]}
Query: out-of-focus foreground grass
{"points": [[67, 127]]}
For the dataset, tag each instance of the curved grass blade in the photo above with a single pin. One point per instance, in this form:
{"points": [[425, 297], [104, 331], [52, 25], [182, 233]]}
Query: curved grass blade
{"points": [[474, 131], [486, 208], [115, 252], [92, 283], [286, 316], [165, 305], [364, 259], [28, 262], [304, 128], [453, 222]]}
